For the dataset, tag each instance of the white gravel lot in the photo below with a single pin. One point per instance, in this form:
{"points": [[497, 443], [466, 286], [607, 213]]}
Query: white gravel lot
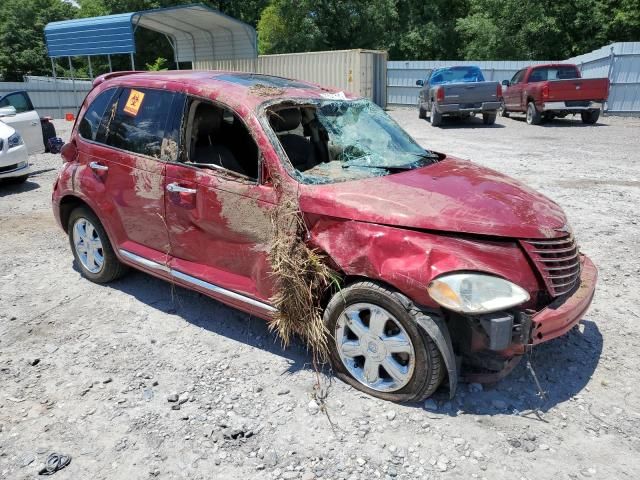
{"points": [[108, 357]]}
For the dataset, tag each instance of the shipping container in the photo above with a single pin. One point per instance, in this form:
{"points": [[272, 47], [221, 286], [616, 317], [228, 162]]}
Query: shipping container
{"points": [[362, 72]]}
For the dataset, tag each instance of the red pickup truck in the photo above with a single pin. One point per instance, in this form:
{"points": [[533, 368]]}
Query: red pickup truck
{"points": [[555, 90]]}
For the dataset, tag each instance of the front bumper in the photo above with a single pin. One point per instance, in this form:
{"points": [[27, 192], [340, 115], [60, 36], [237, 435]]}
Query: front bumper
{"points": [[14, 162], [570, 107], [450, 108], [562, 314]]}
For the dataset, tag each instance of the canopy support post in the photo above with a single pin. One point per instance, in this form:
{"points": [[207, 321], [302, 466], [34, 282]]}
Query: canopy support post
{"points": [[73, 82], [133, 63], [55, 83], [110, 68], [90, 67]]}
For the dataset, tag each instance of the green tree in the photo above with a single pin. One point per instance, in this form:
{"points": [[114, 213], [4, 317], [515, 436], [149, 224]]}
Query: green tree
{"points": [[22, 47]]}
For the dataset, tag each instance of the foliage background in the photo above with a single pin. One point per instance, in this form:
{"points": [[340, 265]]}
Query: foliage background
{"points": [[408, 29]]}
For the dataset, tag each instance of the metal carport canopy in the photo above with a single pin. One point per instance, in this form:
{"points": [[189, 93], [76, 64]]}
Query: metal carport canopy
{"points": [[196, 32]]}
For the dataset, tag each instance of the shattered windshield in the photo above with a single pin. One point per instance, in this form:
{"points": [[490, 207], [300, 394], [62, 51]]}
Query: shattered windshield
{"points": [[338, 140]]}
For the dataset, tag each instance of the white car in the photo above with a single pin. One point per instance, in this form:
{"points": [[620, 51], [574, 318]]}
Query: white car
{"points": [[26, 120], [14, 158]]}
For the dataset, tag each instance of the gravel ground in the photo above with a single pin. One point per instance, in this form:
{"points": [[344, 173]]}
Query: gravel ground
{"points": [[139, 380]]}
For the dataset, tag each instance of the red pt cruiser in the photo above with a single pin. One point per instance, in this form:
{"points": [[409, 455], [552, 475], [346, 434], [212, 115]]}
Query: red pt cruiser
{"points": [[177, 174]]}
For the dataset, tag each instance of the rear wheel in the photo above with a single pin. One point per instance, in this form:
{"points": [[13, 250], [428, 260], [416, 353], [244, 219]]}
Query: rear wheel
{"points": [[436, 117], [378, 347], [91, 247], [590, 116], [533, 116], [489, 118]]}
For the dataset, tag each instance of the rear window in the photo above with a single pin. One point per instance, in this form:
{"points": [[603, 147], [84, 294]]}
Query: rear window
{"points": [[456, 75], [139, 121], [553, 73]]}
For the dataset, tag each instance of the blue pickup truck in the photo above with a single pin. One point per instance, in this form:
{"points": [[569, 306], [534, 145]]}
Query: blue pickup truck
{"points": [[458, 91]]}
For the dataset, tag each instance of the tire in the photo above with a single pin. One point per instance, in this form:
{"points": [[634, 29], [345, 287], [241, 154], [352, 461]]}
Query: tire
{"points": [[436, 117], [422, 369], [17, 180], [533, 116], [503, 110], [48, 132], [489, 118], [422, 113], [110, 268], [590, 116]]}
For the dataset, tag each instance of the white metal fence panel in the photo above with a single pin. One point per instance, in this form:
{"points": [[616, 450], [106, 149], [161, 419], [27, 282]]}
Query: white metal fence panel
{"points": [[53, 98]]}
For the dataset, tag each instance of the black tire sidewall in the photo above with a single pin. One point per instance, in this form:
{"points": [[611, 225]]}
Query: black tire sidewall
{"points": [[111, 267], [368, 292]]}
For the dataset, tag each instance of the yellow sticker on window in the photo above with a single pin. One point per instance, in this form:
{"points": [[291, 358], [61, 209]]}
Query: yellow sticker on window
{"points": [[133, 102]]}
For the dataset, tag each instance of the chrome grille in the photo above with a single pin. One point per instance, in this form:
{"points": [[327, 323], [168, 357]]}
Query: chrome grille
{"points": [[558, 261]]}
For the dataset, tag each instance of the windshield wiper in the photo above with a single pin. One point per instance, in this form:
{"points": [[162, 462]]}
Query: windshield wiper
{"points": [[382, 167]]}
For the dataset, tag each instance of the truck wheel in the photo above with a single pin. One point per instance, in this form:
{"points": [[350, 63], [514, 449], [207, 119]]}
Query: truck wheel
{"points": [[533, 116], [503, 110], [422, 113], [91, 247], [489, 118], [436, 117], [378, 347], [590, 116]]}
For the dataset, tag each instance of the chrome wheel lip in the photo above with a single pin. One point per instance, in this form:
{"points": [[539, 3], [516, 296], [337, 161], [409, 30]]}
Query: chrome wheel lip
{"points": [[88, 245], [375, 348], [529, 114]]}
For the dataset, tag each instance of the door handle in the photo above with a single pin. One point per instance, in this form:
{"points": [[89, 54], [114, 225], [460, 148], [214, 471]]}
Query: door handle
{"points": [[175, 188], [98, 167]]}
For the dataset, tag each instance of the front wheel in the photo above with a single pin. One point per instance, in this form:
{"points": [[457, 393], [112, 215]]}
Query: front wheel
{"points": [[378, 347], [489, 118], [503, 110], [590, 116], [533, 116], [91, 247]]}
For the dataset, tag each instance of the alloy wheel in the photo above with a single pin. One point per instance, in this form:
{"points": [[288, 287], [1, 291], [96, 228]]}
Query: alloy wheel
{"points": [[88, 245], [374, 347]]}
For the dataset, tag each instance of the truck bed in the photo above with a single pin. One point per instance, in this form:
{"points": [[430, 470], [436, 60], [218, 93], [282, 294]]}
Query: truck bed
{"points": [[469, 94], [578, 89]]}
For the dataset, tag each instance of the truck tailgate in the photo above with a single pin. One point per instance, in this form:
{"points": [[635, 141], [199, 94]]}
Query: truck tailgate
{"points": [[470, 93], [578, 89]]}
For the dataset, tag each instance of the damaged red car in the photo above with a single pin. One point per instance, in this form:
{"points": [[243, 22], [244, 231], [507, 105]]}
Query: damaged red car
{"points": [[446, 269]]}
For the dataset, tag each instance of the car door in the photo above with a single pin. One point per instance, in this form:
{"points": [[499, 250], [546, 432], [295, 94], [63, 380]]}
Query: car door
{"points": [[26, 121], [217, 210], [122, 153], [514, 91]]}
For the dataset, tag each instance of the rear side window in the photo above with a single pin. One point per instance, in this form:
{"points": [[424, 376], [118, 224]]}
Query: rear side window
{"points": [[90, 123], [553, 73], [140, 120], [19, 101]]}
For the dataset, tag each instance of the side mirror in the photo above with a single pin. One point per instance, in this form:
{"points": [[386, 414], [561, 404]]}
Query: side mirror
{"points": [[9, 111], [69, 151], [420, 83], [506, 83]]}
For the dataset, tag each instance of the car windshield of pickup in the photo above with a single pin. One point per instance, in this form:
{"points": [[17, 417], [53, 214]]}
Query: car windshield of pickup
{"points": [[330, 141], [456, 75]]}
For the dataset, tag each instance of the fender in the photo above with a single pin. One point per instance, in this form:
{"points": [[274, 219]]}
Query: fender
{"points": [[435, 327]]}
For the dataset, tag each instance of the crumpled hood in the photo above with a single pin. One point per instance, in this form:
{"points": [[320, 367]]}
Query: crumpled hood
{"points": [[452, 195]]}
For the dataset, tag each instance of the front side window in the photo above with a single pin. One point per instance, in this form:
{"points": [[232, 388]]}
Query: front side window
{"points": [[517, 78], [19, 101], [217, 139], [328, 141], [92, 118], [138, 121]]}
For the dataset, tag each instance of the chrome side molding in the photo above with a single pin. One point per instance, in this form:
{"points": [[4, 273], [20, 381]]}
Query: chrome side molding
{"points": [[145, 262]]}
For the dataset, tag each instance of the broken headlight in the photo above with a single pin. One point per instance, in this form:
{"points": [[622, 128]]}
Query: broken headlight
{"points": [[476, 293]]}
